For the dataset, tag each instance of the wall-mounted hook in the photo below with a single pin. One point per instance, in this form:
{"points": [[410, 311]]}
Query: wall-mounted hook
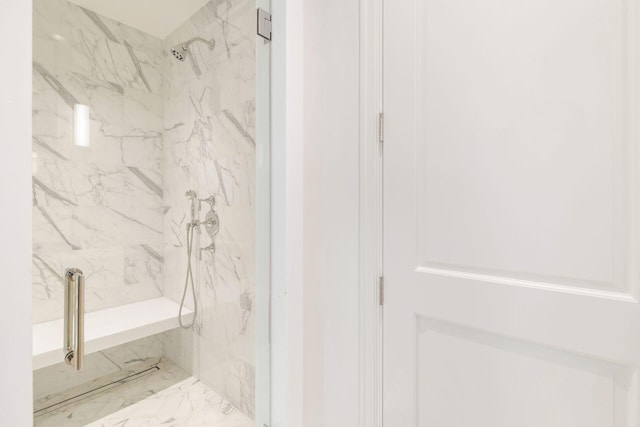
{"points": [[195, 205]]}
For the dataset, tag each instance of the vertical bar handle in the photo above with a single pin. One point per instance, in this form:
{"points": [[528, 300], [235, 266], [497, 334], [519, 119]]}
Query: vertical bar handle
{"points": [[73, 344]]}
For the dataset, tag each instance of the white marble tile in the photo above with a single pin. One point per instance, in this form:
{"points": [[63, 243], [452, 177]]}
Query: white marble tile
{"points": [[229, 22], [50, 18], [81, 184], [145, 153], [52, 226], [178, 345], [52, 120], [209, 146], [99, 208], [102, 226], [103, 59], [188, 404], [54, 379], [148, 349], [110, 399], [158, 128], [99, 47], [237, 378], [142, 189], [221, 135], [143, 265], [57, 378], [230, 180], [114, 276], [103, 268]]}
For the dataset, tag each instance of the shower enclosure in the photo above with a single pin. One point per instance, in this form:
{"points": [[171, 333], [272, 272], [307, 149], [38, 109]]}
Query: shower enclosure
{"points": [[150, 167]]}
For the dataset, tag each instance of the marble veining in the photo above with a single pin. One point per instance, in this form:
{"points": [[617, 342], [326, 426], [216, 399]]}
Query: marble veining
{"points": [[189, 403], [98, 208], [209, 146], [116, 391], [51, 381], [117, 209]]}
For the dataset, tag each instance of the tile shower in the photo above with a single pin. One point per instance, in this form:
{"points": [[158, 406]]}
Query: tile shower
{"points": [[158, 127]]}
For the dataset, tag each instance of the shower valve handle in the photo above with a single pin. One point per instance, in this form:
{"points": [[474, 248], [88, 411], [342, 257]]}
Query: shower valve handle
{"points": [[211, 200]]}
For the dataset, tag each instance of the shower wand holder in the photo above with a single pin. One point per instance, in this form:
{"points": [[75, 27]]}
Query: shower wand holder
{"points": [[212, 226]]}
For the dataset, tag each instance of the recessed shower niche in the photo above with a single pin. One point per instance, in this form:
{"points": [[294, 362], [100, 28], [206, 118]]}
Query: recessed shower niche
{"points": [[148, 305]]}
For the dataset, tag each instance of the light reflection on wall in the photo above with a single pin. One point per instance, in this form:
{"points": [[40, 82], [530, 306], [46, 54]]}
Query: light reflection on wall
{"points": [[81, 115]]}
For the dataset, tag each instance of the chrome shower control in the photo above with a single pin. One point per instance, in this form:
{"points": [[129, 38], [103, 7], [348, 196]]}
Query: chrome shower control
{"points": [[212, 223], [211, 200]]}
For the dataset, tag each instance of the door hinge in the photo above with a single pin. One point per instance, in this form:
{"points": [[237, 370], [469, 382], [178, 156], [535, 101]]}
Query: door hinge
{"points": [[381, 290], [381, 128], [264, 24]]}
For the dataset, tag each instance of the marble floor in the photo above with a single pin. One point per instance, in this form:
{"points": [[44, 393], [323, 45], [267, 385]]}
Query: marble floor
{"points": [[95, 400], [186, 404], [163, 396]]}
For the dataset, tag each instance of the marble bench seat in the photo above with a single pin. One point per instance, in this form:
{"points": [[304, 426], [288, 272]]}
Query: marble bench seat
{"points": [[108, 328]]}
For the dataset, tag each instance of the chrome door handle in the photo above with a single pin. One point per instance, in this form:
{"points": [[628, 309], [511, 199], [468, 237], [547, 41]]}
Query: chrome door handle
{"points": [[73, 344]]}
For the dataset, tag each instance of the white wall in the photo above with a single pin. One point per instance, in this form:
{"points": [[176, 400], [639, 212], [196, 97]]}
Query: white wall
{"points": [[15, 213], [315, 213], [286, 213], [331, 211]]}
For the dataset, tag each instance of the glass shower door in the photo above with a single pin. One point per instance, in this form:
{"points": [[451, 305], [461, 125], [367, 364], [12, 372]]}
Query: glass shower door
{"points": [[150, 167]]}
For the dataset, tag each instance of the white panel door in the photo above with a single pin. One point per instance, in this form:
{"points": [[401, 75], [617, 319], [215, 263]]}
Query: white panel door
{"points": [[511, 216]]}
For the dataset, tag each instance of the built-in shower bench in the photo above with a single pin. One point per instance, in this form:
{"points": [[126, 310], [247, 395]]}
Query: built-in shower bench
{"points": [[108, 328]]}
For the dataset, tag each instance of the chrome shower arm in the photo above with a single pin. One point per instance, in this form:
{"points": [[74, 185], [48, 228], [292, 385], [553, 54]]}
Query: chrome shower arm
{"points": [[211, 43], [181, 50]]}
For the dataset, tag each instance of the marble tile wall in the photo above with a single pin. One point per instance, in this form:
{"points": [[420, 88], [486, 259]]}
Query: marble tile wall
{"points": [[209, 146], [118, 209], [99, 208]]}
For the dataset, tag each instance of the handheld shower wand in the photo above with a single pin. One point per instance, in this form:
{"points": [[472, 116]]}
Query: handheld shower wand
{"points": [[191, 226], [212, 226]]}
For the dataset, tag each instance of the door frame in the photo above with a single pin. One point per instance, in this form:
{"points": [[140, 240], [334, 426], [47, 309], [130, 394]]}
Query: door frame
{"points": [[16, 396], [371, 208]]}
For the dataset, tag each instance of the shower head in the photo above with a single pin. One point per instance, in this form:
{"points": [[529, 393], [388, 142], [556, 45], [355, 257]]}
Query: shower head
{"points": [[181, 50]]}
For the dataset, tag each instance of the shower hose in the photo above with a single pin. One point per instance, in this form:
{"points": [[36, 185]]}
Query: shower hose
{"points": [[189, 279]]}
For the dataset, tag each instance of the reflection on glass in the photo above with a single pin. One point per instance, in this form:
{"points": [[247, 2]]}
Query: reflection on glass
{"points": [[81, 125], [156, 126]]}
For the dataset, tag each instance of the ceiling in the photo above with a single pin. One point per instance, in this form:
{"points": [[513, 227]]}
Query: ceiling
{"points": [[156, 17]]}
